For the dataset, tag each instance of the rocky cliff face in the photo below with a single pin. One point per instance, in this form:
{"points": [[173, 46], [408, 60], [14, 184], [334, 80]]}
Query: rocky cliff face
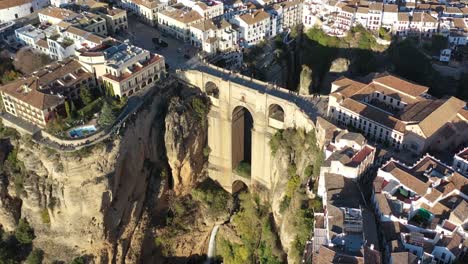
{"points": [[105, 201], [294, 155], [186, 139]]}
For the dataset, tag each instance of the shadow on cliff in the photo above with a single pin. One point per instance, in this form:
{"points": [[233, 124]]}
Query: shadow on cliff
{"points": [[402, 58]]}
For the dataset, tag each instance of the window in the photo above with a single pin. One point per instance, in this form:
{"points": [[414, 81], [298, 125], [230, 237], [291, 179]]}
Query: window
{"points": [[443, 256]]}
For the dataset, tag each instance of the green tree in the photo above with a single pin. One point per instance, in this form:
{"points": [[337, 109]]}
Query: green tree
{"points": [[107, 116], [35, 257], [438, 43], [67, 109], [78, 260], [24, 233], [72, 109], [86, 96]]}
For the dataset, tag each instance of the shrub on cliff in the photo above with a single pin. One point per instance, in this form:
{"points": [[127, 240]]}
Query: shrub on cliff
{"points": [[259, 241], [201, 108], [214, 197], [36, 257], [24, 233]]}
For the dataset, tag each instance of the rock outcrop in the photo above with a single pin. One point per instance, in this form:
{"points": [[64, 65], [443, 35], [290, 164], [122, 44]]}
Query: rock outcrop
{"points": [[185, 138], [305, 83], [340, 65]]}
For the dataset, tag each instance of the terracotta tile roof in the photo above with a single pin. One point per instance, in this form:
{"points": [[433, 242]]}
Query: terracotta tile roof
{"points": [[460, 182], [374, 114], [362, 10], [375, 6], [349, 9], [42, 43], [423, 17], [383, 204], [115, 11], [439, 117], [255, 17], [59, 13], [327, 255], [433, 196], [205, 25], [404, 258], [147, 3], [348, 87], [461, 211], [401, 85], [182, 16], [403, 17], [420, 110], [459, 23], [405, 178], [4, 4], [27, 91], [390, 8], [453, 10]]}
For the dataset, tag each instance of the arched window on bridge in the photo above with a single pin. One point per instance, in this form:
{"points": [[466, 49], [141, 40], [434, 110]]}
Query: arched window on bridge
{"points": [[212, 89], [276, 112]]}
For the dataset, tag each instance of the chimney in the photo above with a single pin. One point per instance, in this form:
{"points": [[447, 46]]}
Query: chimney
{"points": [[372, 246]]}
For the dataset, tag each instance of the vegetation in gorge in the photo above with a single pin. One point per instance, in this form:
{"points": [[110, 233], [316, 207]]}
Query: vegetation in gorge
{"points": [[16, 247], [258, 240], [207, 200], [296, 208]]}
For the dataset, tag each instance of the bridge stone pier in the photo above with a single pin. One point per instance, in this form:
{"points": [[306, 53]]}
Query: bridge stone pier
{"points": [[244, 115]]}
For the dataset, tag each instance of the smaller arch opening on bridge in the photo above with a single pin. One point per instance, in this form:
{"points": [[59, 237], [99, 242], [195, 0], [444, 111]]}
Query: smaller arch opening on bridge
{"points": [[275, 116], [239, 186], [212, 89], [241, 142]]}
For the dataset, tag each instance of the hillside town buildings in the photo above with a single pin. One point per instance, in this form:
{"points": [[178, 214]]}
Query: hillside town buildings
{"points": [[123, 68], [36, 98], [423, 210], [399, 113]]}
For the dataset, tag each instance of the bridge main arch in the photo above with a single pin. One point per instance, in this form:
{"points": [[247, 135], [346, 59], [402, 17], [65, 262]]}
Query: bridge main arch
{"points": [[241, 141]]}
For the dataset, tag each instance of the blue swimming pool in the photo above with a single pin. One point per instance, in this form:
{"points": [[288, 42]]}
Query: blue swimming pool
{"points": [[82, 131]]}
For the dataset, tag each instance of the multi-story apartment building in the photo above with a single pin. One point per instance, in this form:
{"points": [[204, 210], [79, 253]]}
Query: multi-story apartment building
{"points": [[390, 16], [460, 162], [254, 27], [147, 10], [123, 68], [58, 41], [290, 13], [402, 25], [348, 155], [85, 21], [311, 9], [375, 15], [399, 113], [116, 19], [176, 21], [212, 36], [36, 97], [14, 9], [423, 23]]}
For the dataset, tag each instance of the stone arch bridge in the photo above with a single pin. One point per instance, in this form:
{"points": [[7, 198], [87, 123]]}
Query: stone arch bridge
{"points": [[245, 113]]}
